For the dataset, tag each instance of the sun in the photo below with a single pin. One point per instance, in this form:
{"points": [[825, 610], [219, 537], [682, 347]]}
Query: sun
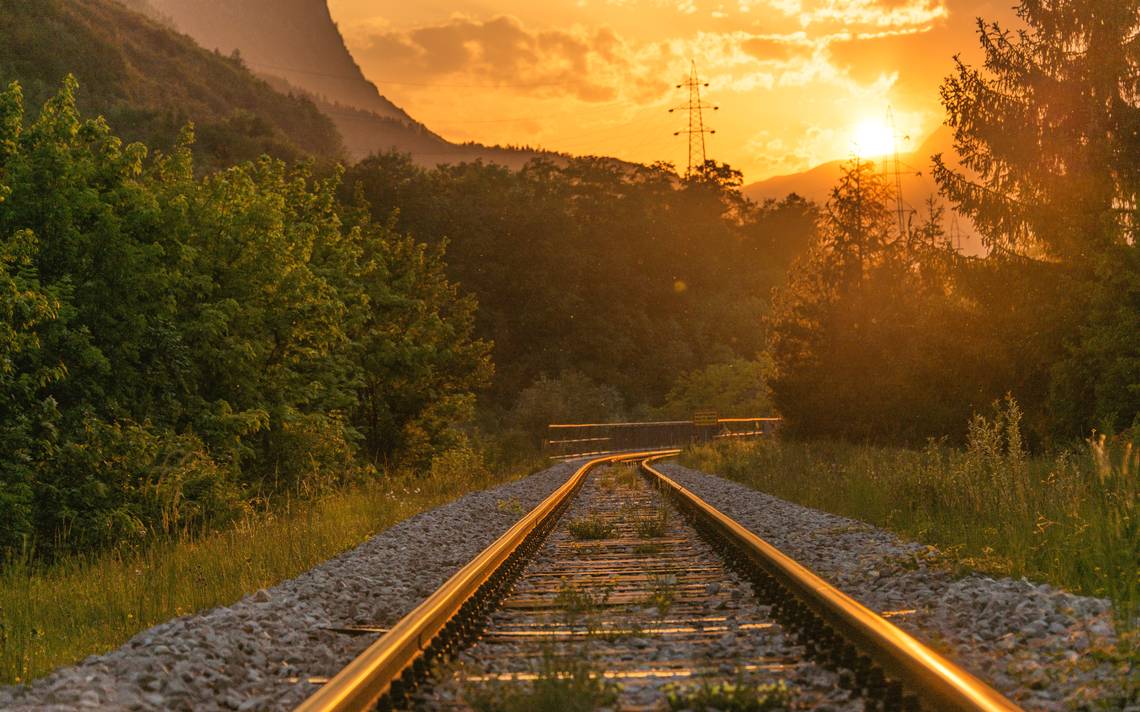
{"points": [[872, 138]]}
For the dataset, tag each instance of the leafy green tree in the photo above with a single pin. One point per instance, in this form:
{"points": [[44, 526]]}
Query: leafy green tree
{"points": [[172, 346], [737, 388], [862, 335], [420, 364]]}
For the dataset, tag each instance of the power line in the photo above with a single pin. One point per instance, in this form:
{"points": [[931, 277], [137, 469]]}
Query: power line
{"points": [[697, 129]]}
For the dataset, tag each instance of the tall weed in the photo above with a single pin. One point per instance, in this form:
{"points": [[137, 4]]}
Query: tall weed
{"points": [[58, 613], [1068, 518]]}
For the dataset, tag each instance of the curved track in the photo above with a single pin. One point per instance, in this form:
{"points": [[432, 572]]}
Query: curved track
{"points": [[650, 585]]}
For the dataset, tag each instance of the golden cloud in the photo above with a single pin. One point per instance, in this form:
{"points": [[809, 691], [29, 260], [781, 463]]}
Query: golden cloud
{"points": [[590, 65]]}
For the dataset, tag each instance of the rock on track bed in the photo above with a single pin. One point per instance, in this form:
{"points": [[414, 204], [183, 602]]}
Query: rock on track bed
{"points": [[1034, 643], [242, 657]]}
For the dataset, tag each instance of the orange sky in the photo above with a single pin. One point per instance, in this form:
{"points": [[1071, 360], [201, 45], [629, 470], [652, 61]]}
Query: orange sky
{"points": [[793, 78]]}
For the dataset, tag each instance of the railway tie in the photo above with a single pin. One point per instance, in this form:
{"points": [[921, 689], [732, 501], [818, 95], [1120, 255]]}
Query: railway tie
{"points": [[625, 589]]}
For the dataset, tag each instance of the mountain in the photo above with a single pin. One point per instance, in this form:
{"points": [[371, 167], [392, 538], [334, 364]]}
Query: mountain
{"points": [[295, 40], [296, 45], [149, 82], [917, 183]]}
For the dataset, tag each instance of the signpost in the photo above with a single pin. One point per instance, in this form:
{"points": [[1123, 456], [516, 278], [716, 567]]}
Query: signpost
{"points": [[707, 418]]}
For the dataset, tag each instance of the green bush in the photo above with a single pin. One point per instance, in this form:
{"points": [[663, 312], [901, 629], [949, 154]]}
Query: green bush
{"points": [[173, 347], [570, 398], [123, 483], [737, 388]]}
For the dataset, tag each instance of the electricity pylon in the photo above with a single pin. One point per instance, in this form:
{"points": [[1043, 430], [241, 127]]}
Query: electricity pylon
{"points": [[900, 208], [697, 128]]}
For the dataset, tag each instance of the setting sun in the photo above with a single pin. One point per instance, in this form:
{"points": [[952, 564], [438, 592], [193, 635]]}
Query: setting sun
{"points": [[872, 138]]}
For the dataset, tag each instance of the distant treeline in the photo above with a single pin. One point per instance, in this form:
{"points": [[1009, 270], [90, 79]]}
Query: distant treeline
{"points": [[626, 275]]}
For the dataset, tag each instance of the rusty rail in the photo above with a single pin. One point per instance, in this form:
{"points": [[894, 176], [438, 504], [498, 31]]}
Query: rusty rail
{"points": [[938, 683], [866, 642], [392, 662]]}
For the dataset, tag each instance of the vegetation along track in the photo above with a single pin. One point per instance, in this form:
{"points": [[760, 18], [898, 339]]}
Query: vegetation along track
{"points": [[628, 591]]}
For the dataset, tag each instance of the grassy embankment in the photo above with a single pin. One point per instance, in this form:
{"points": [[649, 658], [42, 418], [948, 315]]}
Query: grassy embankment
{"points": [[1069, 519], [59, 614]]}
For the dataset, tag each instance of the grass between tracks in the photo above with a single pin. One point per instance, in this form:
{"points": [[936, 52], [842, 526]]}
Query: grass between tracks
{"points": [[1069, 518], [59, 614]]}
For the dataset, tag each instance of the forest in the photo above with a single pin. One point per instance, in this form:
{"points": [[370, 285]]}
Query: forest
{"points": [[888, 334], [187, 333]]}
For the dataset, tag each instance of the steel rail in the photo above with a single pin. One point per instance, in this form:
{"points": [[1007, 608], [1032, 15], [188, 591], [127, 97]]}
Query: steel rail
{"points": [[938, 683], [392, 659]]}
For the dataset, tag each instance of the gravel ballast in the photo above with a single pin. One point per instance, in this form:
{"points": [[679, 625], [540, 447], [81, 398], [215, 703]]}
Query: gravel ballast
{"points": [[640, 596], [1045, 648], [246, 656]]}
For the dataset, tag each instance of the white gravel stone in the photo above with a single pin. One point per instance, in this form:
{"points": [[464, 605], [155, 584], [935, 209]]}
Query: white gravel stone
{"points": [[243, 656], [1031, 641], [1028, 640]]}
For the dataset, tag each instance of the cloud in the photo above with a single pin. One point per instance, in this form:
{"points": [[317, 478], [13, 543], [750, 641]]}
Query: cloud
{"points": [[791, 77], [862, 13], [780, 48], [591, 65], [866, 57]]}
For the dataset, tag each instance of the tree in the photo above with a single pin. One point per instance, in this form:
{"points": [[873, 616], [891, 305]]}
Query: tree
{"points": [[579, 264], [858, 335], [1048, 131], [172, 346]]}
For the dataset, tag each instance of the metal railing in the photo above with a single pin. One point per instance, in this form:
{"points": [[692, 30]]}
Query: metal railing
{"points": [[583, 439]]}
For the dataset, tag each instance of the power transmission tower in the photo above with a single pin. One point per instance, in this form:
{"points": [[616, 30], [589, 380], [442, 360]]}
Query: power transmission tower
{"points": [[697, 128], [900, 208]]}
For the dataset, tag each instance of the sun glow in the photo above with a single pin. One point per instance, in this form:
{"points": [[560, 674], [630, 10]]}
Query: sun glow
{"points": [[872, 138]]}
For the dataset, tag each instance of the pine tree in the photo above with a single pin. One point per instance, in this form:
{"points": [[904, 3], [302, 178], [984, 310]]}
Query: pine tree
{"points": [[1049, 134], [1047, 130]]}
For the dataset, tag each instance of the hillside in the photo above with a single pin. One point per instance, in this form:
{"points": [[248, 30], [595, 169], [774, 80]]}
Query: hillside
{"points": [[292, 39], [295, 45], [149, 82], [917, 183]]}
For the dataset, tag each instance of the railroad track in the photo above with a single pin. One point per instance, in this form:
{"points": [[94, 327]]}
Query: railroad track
{"points": [[626, 590]]}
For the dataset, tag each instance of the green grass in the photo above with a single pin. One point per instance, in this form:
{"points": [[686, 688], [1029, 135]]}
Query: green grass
{"points": [[57, 615], [563, 684], [728, 697], [1069, 518], [662, 594], [653, 525], [591, 527], [577, 602]]}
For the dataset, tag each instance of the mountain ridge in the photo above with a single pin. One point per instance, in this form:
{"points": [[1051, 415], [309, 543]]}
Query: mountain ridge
{"points": [[297, 46], [149, 82], [915, 175]]}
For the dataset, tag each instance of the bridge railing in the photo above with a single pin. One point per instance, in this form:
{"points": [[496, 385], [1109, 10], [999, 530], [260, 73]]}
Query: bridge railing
{"points": [[581, 439]]}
